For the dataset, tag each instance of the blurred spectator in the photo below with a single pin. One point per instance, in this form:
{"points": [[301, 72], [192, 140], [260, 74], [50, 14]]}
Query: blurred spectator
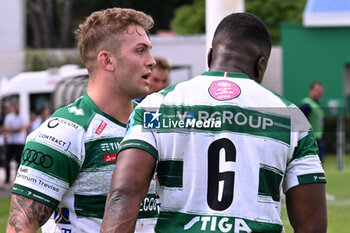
{"points": [[2, 138], [34, 122], [45, 113], [8, 107], [37, 120], [159, 78], [314, 113], [15, 130]]}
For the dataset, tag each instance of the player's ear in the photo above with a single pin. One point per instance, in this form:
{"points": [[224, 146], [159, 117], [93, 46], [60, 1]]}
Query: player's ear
{"points": [[105, 60], [260, 67]]}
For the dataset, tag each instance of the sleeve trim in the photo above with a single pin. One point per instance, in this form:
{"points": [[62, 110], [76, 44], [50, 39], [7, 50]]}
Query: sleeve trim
{"points": [[312, 178], [140, 145], [35, 195]]}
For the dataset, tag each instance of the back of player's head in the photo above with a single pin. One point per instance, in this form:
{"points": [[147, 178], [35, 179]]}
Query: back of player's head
{"points": [[243, 28]]}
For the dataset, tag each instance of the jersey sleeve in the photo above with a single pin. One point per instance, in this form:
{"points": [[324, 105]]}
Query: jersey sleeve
{"points": [[304, 165], [50, 161]]}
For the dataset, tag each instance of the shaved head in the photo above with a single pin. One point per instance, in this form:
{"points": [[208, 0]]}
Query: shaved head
{"points": [[241, 43], [246, 28]]}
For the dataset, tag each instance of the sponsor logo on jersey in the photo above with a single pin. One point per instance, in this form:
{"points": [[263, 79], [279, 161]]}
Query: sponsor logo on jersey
{"points": [[65, 230], [23, 170], [100, 128], [150, 207], [21, 175], [57, 121], [224, 90], [76, 111], [47, 185], [62, 216], [110, 146], [216, 223], [37, 158], [110, 157], [54, 140], [26, 178], [319, 178]]}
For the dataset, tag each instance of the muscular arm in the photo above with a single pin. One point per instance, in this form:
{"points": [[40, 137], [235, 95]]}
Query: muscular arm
{"points": [[130, 183], [27, 215], [306, 207]]}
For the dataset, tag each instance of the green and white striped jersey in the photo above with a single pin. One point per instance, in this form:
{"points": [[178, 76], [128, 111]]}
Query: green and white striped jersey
{"points": [[68, 162], [225, 146]]}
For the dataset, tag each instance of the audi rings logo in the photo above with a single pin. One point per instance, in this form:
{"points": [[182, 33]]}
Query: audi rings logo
{"points": [[38, 158]]}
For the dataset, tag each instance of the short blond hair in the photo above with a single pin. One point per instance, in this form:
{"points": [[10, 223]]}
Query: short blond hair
{"points": [[100, 31]]}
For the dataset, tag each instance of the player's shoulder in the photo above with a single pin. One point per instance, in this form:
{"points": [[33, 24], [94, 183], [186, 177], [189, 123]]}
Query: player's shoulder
{"points": [[171, 88], [79, 112], [272, 95]]}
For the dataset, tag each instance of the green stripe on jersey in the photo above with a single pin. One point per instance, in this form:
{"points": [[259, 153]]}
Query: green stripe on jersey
{"points": [[269, 181], [140, 145], [190, 223], [89, 206], [37, 196], [169, 173], [306, 146], [97, 150], [312, 178], [47, 160]]}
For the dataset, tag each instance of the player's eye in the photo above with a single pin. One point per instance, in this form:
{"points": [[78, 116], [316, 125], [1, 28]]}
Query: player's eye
{"points": [[140, 50]]}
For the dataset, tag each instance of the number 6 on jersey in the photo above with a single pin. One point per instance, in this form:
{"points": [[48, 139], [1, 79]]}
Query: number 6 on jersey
{"points": [[221, 155]]}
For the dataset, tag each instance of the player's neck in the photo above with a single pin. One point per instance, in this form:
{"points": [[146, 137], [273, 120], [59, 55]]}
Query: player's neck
{"points": [[119, 107]]}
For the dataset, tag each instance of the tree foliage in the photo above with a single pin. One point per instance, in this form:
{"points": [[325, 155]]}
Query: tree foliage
{"points": [[51, 23], [190, 19], [273, 12], [161, 11]]}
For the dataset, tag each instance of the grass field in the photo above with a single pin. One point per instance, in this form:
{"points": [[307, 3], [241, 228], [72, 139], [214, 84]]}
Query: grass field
{"points": [[338, 185], [4, 211]]}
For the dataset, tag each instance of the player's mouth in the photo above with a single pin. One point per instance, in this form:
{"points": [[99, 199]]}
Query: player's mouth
{"points": [[145, 76]]}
